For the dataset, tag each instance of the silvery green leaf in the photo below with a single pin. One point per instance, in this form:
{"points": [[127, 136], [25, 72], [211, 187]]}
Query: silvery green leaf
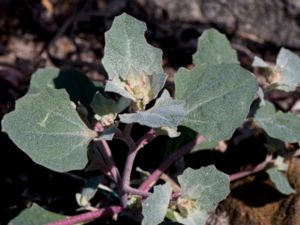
{"points": [[283, 126], [126, 48], [215, 88], [103, 106], [166, 112], [42, 79], [156, 205], [35, 215], [128, 58], [289, 64], [258, 62], [207, 185], [49, 130], [202, 190], [217, 99], [285, 75], [116, 86], [213, 49], [281, 182], [78, 85], [197, 217]]}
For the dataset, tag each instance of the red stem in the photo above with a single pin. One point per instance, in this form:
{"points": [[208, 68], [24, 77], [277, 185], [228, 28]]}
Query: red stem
{"points": [[107, 154], [256, 169], [132, 152], [152, 179], [109, 211], [136, 191]]}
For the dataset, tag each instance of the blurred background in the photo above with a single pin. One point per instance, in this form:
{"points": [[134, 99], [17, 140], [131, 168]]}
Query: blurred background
{"points": [[70, 33]]}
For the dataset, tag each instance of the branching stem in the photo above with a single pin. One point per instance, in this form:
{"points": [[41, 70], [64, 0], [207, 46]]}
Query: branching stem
{"points": [[269, 161], [136, 191], [126, 139], [132, 152], [152, 179]]}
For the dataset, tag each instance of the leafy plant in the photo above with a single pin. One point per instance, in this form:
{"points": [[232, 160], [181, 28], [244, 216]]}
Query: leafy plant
{"points": [[65, 122]]}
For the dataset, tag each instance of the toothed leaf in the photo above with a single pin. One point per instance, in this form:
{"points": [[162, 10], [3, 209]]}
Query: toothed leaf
{"points": [[289, 64], [213, 49], [49, 130], [156, 205], [283, 126], [134, 67], [35, 215], [217, 99], [166, 112]]}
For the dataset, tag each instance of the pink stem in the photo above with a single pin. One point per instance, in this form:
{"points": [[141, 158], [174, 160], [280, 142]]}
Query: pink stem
{"points": [[256, 169], [132, 152], [109, 211], [152, 179], [107, 154], [136, 191]]}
